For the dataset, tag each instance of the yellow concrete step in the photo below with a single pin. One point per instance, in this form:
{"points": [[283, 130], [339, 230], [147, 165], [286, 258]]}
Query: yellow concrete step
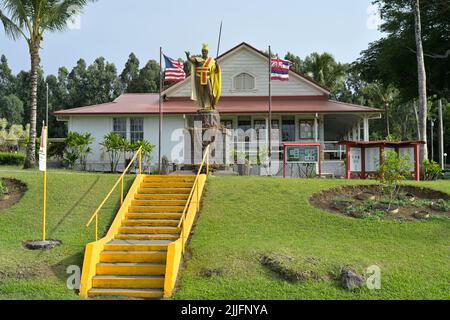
{"points": [[154, 215], [135, 282], [167, 202], [136, 236], [134, 293], [130, 269], [152, 222], [166, 184], [134, 245], [153, 229], [133, 256], [162, 196], [156, 209], [173, 178], [165, 190]]}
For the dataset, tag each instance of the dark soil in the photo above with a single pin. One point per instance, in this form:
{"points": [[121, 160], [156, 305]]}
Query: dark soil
{"points": [[416, 203], [16, 190]]}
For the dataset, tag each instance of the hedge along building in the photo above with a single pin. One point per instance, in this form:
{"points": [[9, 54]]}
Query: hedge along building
{"points": [[301, 110]]}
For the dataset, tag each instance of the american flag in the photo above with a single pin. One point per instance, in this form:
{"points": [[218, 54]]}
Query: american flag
{"points": [[280, 69], [174, 70]]}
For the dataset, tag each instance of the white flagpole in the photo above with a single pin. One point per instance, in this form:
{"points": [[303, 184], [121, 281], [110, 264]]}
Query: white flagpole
{"points": [[160, 110], [270, 111]]}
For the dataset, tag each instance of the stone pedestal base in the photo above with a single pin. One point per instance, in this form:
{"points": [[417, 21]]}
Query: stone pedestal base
{"points": [[208, 119]]}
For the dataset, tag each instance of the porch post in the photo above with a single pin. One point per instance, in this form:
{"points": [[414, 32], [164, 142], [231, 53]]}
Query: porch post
{"points": [[348, 174], [316, 128], [355, 136], [366, 128]]}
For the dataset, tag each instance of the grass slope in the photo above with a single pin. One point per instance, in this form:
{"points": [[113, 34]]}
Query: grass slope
{"points": [[245, 217], [72, 198]]}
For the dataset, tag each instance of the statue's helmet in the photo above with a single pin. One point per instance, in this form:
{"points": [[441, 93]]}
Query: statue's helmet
{"points": [[205, 47]]}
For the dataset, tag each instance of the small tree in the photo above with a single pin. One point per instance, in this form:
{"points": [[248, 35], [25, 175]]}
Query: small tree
{"points": [[113, 144], [394, 170], [147, 149], [78, 148]]}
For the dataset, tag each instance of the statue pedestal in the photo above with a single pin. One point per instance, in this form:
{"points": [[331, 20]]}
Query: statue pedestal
{"points": [[209, 120]]}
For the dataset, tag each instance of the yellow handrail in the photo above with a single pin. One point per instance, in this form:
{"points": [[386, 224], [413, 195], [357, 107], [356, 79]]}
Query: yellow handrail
{"points": [[120, 180], [188, 202]]}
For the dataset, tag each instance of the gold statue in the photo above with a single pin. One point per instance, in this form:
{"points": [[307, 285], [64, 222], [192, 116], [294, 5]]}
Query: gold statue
{"points": [[206, 80]]}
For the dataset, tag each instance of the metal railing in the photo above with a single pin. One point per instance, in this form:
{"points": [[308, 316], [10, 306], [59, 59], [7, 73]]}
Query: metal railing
{"points": [[138, 156], [205, 163]]}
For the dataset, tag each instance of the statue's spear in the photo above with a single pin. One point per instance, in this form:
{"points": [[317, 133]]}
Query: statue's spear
{"points": [[220, 36]]}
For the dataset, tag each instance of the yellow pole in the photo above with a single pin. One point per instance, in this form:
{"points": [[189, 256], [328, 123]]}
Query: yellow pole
{"points": [[44, 206], [96, 227], [121, 191], [140, 160]]}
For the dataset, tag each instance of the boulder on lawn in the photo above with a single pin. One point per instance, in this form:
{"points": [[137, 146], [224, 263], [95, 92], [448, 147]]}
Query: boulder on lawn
{"points": [[422, 215], [342, 205], [351, 280], [364, 196]]}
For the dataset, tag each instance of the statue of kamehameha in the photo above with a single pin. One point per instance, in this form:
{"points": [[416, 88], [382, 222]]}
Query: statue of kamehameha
{"points": [[206, 80]]}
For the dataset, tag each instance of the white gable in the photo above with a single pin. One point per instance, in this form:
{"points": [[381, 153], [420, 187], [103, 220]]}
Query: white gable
{"points": [[245, 60]]}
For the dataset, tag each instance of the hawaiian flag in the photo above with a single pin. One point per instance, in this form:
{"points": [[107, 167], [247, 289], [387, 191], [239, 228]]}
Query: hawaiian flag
{"points": [[174, 70], [280, 69]]}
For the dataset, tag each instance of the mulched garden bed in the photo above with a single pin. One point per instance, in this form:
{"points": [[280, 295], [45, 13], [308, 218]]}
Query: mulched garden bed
{"points": [[16, 190], [370, 202]]}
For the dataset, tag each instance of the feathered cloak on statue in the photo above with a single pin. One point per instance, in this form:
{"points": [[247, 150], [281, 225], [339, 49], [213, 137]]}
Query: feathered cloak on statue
{"points": [[214, 86]]}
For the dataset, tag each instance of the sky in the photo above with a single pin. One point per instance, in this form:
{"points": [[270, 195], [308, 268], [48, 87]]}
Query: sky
{"points": [[115, 28]]}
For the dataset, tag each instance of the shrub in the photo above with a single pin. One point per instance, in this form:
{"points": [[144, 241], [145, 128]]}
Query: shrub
{"points": [[114, 144], [431, 170], [392, 171], [77, 148], [12, 159], [3, 188]]}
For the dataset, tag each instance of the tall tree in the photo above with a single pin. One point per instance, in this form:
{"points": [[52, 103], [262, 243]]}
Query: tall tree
{"points": [[130, 74], [6, 77], [30, 19], [422, 78], [11, 108], [149, 78]]}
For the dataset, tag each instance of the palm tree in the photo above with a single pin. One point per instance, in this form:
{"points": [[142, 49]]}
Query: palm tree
{"points": [[422, 79], [324, 69], [30, 19]]}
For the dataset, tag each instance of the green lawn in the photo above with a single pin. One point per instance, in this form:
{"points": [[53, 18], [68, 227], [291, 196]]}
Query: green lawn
{"points": [[72, 198], [245, 217], [241, 219]]}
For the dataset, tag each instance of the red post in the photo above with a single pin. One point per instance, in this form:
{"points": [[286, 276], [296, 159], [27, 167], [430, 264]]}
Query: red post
{"points": [[363, 162], [284, 161], [348, 173], [417, 162], [320, 161]]}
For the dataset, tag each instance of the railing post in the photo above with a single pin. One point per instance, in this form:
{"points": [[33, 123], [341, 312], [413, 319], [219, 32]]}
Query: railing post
{"points": [[140, 161], [121, 190], [207, 161], [96, 228]]}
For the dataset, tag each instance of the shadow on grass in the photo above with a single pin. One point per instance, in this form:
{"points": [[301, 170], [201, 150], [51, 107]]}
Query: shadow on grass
{"points": [[75, 205], [60, 269]]}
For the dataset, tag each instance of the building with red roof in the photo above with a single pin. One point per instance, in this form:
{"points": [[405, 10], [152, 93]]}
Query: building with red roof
{"points": [[301, 110]]}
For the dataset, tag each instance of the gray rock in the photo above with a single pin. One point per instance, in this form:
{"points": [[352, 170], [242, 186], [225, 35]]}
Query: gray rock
{"points": [[351, 280], [41, 245]]}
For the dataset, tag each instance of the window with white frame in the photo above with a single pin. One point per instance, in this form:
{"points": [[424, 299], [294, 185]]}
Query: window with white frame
{"points": [[120, 126], [244, 82], [136, 129]]}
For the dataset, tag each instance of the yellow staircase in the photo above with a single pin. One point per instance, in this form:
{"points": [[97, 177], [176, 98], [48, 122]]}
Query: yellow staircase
{"points": [[141, 253], [134, 263]]}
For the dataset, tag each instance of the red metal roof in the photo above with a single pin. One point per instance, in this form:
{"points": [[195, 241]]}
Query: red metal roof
{"points": [[129, 104]]}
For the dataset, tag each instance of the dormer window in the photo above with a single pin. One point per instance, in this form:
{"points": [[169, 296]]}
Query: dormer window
{"points": [[244, 82]]}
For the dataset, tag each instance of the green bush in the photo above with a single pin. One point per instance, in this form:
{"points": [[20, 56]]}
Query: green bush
{"points": [[3, 188], [13, 159], [431, 170]]}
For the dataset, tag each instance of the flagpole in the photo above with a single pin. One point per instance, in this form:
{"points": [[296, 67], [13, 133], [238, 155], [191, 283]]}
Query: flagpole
{"points": [[220, 37], [270, 111], [160, 109]]}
